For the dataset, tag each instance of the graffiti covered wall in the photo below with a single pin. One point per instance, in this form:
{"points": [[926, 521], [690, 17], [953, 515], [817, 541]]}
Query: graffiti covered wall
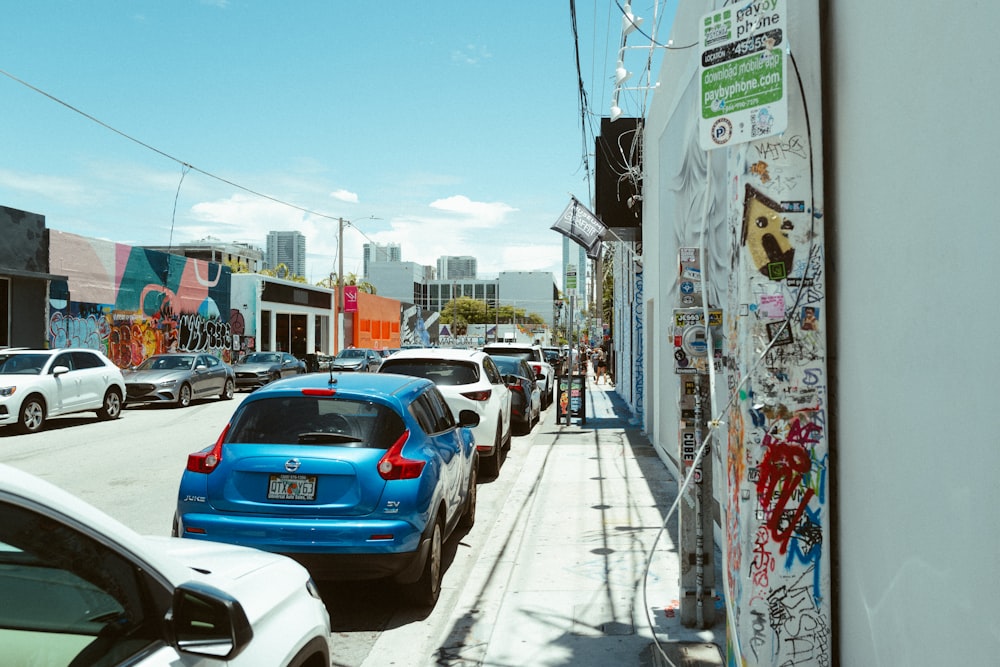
{"points": [[778, 510], [756, 209], [131, 302]]}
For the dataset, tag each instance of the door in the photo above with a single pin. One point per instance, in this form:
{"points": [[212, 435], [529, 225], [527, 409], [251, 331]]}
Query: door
{"points": [[448, 447], [65, 386], [209, 376], [92, 379]]}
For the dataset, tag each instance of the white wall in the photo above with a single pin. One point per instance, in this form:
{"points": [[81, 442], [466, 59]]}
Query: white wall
{"points": [[913, 244]]}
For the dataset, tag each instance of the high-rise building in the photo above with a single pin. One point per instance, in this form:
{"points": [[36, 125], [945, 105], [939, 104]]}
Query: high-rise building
{"points": [[288, 248], [378, 252], [456, 268]]}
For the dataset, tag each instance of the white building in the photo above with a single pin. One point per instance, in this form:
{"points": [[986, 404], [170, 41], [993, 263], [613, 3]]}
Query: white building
{"points": [[900, 539]]}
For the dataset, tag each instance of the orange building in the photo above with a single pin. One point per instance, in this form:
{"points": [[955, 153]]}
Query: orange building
{"points": [[375, 324]]}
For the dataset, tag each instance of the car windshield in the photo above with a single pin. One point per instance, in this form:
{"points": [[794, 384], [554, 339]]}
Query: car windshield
{"points": [[314, 420], [262, 358], [178, 362], [441, 372], [22, 364], [351, 354]]}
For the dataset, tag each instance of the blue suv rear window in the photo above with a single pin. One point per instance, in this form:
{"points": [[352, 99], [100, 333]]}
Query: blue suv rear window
{"points": [[316, 421]]}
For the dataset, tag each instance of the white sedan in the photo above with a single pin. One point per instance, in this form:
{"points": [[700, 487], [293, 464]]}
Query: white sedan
{"points": [[79, 588], [468, 380]]}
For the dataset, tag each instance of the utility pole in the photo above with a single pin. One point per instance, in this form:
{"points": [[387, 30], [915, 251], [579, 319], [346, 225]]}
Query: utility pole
{"points": [[340, 285]]}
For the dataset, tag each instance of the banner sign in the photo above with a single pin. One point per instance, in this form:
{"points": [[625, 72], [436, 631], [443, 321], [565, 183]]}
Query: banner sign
{"points": [[583, 227], [350, 298]]}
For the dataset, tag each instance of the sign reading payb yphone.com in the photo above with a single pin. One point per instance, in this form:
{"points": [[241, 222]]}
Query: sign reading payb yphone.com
{"points": [[743, 74]]}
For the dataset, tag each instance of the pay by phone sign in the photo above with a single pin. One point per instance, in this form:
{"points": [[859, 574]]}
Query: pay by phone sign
{"points": [[743, 84]]}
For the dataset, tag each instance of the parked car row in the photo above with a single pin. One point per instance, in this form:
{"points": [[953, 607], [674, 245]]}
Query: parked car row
{"points": [[353, 475]]}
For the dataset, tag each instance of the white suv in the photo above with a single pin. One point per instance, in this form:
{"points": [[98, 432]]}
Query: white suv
{"points": [[38, 384], [468, 380], [536, 359], [79, 588]]}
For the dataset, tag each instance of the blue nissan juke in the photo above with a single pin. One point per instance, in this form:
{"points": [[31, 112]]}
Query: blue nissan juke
{"points": [[356, 475]]}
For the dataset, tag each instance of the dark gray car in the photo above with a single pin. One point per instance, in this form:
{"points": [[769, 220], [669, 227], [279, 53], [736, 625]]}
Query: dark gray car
{"points": [[259, 368], [356, 359]]}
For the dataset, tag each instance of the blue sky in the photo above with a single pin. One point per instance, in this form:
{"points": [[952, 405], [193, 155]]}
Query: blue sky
{"points": [[449, 128]]}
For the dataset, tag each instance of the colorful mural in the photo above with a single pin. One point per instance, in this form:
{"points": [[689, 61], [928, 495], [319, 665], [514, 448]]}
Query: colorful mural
{"points": [[132, 303]]}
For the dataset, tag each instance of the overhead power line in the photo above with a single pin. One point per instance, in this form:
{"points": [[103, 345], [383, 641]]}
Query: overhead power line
{"points": [[185, 165]]}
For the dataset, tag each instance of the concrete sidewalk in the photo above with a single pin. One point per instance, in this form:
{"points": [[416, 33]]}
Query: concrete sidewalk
{"points": [[563, 577]]}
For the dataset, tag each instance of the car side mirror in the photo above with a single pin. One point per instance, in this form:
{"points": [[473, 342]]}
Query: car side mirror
{"points": [[208, 622], [59, 370], [468, 418]]}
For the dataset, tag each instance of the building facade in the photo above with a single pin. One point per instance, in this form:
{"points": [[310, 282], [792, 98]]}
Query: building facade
{"points": [[288, 249], [845, 518], [456, 268], [379, 252], [132, 302], [244, 255], [25, 279]]}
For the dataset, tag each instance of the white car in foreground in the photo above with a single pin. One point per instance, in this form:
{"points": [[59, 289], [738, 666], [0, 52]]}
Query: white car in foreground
{"points": [[79, 588]]}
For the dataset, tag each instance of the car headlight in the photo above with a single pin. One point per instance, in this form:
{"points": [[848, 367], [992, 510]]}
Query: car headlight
{"points": [[7, 391], [166, 383], [313, 589]]}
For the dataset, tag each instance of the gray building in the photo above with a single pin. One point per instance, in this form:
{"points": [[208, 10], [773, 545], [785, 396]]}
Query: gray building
{"points": [[405, 281], [288, 248], [533, 291], [451, 267], [379, 252]]}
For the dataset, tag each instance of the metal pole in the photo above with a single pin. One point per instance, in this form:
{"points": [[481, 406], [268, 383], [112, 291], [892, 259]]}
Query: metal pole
{"points": [[340, 285]]}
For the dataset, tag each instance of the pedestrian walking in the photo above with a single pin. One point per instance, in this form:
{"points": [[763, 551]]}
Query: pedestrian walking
{"points": [[601, 372]]}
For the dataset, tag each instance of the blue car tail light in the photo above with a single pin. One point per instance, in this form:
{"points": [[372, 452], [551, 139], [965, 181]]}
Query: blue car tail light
{"points": [[205, 462], [396, 466]]}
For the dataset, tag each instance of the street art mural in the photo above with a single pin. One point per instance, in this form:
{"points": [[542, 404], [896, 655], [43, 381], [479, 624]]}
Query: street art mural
{"points": [[131, 302], [419, 326]]}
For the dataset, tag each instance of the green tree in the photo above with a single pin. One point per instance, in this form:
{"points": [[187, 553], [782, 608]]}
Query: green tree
{"points": [[330, 282], [282, 271]]}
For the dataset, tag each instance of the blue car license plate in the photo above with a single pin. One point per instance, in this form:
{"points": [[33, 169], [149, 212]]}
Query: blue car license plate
{"points": [[292, 487]]}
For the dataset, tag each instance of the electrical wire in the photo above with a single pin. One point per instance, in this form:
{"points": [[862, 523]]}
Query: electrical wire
{"points": [[166, 155]]}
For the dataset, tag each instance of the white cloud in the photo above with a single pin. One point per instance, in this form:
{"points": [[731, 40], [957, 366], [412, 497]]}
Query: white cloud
{"points": [[67, 191], [478, 214], [345, 196]]}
